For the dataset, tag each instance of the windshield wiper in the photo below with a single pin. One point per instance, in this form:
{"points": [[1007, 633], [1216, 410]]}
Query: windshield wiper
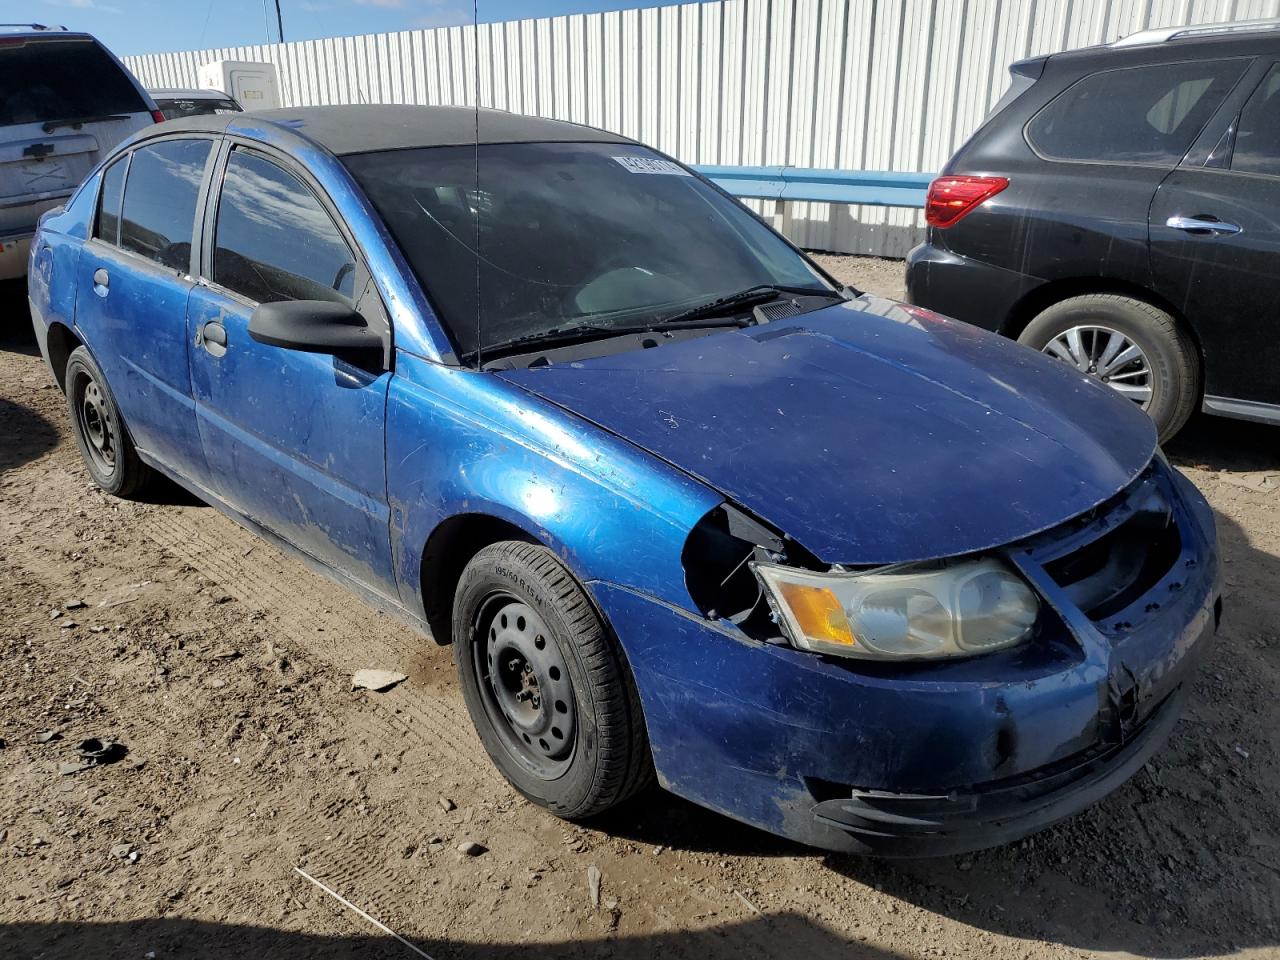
{"points": [[51, 125], [702, 316], [755, 294], [583, 332]]}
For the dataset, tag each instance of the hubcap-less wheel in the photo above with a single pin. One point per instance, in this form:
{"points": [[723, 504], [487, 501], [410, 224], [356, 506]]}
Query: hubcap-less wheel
{"points": [[96, 423], [1106, 355], [525, 682]]}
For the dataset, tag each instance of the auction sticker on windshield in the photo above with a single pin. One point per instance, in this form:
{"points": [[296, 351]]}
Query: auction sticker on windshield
{"points": [[653, 165]]}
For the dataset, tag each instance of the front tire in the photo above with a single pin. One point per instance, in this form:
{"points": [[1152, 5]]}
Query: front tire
{"points": [[1133, 347], [100, 432], [546, 683]]}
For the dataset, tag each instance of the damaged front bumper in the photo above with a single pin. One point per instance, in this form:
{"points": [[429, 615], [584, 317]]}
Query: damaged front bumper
{"points": [[922, 825], [926, 759]]}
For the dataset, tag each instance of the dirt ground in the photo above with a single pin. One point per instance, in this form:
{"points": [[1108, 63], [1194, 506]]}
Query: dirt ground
{"points": [[224, 668]]}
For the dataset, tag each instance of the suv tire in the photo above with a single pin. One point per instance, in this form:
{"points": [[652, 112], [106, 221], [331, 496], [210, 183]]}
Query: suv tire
{"points": [[546, 684], [1172, 363]]}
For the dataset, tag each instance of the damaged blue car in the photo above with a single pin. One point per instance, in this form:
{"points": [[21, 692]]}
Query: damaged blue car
{"points": [[685, 507]]}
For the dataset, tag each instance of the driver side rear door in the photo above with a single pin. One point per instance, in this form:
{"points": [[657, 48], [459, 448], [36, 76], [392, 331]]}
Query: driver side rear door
{"points": [[133, 282], [294, 441]]}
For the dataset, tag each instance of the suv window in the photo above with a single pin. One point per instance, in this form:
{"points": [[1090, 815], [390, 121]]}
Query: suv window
{"points": [[1148, 114], [160, 197], [274, 241], [1257, 148], [43, 80], [108, 227]]}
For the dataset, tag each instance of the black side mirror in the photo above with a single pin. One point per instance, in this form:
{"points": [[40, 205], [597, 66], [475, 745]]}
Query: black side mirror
{"points": [[315, 326]]}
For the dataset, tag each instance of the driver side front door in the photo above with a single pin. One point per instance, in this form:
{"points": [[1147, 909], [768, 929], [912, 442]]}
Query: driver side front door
{"points": [[294, 440]]}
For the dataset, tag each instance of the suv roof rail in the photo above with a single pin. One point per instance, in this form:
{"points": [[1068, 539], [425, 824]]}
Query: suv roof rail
{"points": [[24, 27], [1165, 34]]}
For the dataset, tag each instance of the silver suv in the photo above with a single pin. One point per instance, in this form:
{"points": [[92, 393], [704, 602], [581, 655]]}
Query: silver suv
{"points": [[65, 100]]}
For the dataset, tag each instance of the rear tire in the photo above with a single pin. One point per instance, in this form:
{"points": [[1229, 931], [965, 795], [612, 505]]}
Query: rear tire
{"points": [[546, 684], [100, 431], [1169, 364]]}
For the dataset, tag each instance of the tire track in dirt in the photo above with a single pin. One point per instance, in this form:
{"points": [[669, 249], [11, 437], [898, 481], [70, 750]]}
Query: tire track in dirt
{"points": [[345, 637]]}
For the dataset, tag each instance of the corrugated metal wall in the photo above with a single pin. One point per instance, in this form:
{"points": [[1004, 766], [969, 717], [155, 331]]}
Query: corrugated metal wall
{"points": [[859, 84]]}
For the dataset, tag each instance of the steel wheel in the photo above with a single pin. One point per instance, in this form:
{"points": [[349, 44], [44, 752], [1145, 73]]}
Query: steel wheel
{"points": [[1107, 355], [526, 687], [97, 422]]}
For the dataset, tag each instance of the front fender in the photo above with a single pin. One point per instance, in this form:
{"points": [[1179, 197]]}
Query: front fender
{"points": [[464, 442]]}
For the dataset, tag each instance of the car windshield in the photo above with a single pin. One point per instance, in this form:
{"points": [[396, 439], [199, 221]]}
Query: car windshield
{"points": [[567, 234], [46, 80], [173, 108]]}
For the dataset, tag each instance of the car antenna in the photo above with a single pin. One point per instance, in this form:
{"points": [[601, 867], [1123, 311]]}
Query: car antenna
{"points": [[475, 207]]}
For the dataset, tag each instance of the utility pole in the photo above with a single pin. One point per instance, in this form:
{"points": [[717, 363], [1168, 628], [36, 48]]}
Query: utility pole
{"points": [[279, 21]]}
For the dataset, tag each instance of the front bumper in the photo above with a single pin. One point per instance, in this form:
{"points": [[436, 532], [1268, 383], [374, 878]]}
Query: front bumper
{"points": [[925, 759], [916, 825]]}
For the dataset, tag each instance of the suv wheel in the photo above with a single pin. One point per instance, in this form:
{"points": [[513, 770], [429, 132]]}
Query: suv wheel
{"points": [[1136, 349], [546, 684], [104, 441]]}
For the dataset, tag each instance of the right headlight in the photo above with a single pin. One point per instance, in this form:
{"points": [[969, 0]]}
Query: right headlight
{"points": [[896, 613]]}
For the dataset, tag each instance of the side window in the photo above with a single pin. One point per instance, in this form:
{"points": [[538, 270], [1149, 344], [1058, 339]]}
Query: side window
{"points": [[108, 225], [274, 241], [1257, 147], [1148, 114], [159, 212]]}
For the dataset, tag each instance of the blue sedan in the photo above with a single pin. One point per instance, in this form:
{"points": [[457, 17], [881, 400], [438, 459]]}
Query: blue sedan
{"points": [[684, 506]]}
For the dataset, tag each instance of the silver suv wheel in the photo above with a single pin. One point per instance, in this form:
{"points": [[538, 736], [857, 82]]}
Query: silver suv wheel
{"points": [[1107, 355]]}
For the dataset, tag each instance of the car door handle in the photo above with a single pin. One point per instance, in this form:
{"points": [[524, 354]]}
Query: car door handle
{"points": [[101, 282], [1204, 224], [213, 337]]}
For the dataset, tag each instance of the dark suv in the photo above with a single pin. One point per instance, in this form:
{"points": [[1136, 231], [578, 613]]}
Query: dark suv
{"points": [[1120, 209]]}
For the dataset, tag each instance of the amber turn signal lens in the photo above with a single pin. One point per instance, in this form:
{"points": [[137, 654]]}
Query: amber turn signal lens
{"points": [[817, 612]]}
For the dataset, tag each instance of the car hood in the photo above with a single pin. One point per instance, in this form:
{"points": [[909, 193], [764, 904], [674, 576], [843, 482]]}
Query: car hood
{"points": [[869, 431]]}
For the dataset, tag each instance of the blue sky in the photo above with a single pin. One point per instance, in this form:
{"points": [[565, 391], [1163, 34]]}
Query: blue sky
{"points": [[152, 26]]}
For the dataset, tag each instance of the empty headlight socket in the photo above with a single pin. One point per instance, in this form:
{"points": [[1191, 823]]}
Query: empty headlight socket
{"points": [[718, 575]]}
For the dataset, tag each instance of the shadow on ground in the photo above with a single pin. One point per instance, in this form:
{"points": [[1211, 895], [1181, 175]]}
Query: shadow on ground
{"points": [[1217, 443], [25, 435], [16, 335], [663, 819], [162, 491], [793, 935]]}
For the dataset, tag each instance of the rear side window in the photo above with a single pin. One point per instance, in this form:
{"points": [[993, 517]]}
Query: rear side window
{"points": [[44, 80], [274, 241], [1147, 115], [1257, 148], [160, 200], [108, 226]]}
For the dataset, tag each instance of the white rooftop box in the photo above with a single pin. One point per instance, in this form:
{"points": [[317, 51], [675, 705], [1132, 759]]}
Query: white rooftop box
{"points": [[253, 84]]}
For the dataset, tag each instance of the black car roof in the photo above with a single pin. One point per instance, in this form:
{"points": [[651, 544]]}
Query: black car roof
{"points": [[366, 128]]}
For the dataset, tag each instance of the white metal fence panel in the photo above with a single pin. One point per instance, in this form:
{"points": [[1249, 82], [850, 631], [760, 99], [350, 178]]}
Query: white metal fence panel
{"points": [[858, 84]]}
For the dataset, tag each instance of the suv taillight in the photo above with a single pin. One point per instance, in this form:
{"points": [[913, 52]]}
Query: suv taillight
{"points": [[950, 198], [158, 116]]}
